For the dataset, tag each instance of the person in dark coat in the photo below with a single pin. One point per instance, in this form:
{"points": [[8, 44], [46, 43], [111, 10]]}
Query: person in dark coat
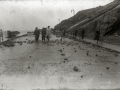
{"points": [[63, 35], [75, 33], [97, 35], [43, 34], [83, 33], [36, 33], [1, 37]]}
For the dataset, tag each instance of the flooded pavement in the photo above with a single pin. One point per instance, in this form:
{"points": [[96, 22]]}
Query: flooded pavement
{"points": [[58, 65]]}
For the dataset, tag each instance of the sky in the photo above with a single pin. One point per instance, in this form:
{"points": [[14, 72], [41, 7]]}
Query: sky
{"points": [[28, 14]]}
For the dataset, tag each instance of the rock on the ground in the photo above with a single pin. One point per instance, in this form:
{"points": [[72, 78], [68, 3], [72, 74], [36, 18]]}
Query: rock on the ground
{"points": [[75, 69], [62, 54]]}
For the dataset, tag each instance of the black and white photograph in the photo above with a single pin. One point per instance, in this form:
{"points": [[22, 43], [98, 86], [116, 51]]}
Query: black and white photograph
{"points": [[59, 44]]}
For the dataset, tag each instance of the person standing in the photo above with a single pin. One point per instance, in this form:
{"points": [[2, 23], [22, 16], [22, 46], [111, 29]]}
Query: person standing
{"points": [[1, 36], [76, 33], [43, 34], [36, 33], [97, 35], [48, 33], [83, 34], [63, 34], [101, 35]]}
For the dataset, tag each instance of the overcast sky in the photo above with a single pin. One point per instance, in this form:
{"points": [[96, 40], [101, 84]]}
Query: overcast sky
{"points": [[28, 14]]}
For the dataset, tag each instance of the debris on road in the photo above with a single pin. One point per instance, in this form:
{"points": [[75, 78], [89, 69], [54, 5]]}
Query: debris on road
{"points": [[66, 59], [28, 67], [9, 44], [60, 50], [116, 63], [87, 54], [82, 76], [75, 69], [63, 61], [116, 54], [30, 41], [21, 43], [107, 68], [62, 54]]}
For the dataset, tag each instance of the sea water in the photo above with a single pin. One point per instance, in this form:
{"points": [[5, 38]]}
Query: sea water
{"points": [[5, 34]]}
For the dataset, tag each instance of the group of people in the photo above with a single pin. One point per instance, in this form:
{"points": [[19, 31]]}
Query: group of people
{"points": [[81, 34], [45, 32]]}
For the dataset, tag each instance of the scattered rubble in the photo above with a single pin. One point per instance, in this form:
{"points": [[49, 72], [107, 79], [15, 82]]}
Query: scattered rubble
{"points": [[62, 62], [28, 67], [81, 76], [21, 43], [9, 44], [107, 68], [75, 69], [30, 41], [62, 54], [96, 54], [60, 50], [116, 63], [116, 54], [87, 54], [66, 59]]}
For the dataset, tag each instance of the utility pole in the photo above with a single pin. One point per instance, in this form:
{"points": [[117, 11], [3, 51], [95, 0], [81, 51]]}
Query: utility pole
{"points": [[73, 13], [59, 23]]}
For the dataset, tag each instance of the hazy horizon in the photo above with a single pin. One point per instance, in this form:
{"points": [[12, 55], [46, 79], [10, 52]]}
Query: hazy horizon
{"points": [[28, 14]]}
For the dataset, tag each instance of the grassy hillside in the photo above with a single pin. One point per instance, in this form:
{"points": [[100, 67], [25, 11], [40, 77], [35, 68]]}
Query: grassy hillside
{"points": [[81, 15], [102, 17]]}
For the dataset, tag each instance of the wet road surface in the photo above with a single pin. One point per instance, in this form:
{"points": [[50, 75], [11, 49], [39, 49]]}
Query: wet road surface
{"points": [[60, 65]]}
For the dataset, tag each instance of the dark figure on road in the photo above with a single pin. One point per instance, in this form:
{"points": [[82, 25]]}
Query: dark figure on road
{"points": [[97, 35], [83, 33], [43, 34], [9, 35], [1, 37], [48, 33], [63, 34], [79, 34], [75, 33], [36, 33]]}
